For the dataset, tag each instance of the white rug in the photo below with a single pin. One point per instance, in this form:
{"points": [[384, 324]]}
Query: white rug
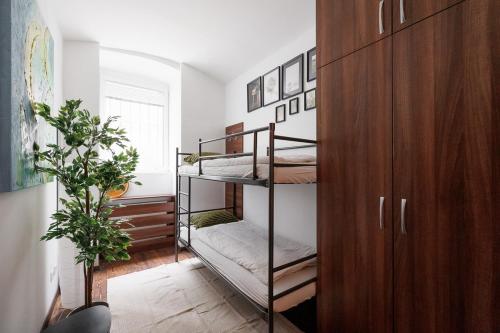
{"points": [[182, 297]]}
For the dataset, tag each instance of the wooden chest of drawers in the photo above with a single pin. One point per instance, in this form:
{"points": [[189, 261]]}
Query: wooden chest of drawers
{"points": [[151, 222]]}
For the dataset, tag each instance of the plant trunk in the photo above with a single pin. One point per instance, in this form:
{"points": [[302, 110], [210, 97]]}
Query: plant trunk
{"points": [[89, 277], [90, 269], [86, 283]]}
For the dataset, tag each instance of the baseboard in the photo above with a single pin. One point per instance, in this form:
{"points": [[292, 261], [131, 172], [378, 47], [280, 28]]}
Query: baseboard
{"points": [[51, 309]]}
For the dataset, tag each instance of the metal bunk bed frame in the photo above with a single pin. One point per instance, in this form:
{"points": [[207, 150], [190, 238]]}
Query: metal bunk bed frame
{"points": [[268, 312]]}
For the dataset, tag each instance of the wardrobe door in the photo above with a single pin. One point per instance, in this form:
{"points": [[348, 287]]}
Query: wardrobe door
{"points": [[446, 171], [354, 192], [347, 25], [407, 12]]}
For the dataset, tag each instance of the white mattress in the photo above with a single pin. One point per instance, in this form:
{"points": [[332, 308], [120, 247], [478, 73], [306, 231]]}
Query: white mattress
{"points": [[243, 167], [250, 284]]}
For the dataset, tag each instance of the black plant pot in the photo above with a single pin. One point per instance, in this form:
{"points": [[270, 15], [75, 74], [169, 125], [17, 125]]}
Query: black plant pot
{"points": [[80, 308], [96, 319]]}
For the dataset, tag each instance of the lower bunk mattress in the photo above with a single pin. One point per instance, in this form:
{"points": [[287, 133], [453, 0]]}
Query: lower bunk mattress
{"points": [[250, 283]]}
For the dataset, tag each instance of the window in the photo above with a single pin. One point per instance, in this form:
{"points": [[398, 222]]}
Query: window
{"points": [[143, 114]]}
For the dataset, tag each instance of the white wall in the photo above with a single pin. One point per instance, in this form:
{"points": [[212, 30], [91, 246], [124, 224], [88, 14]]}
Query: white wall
{"points": [[296, 204], [202, 116], [26, 286], [81, 81], [81, 73]]}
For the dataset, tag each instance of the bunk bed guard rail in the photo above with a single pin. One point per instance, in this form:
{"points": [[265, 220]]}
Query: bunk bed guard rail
{"points": [[309, 144]]}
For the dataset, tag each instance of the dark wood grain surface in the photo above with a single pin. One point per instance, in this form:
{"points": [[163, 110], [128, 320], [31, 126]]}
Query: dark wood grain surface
{"points": [[354, 152], [138, 209], [344, 26], [154, 242], [235, 145], [482, 164], [417, 10], [151, 231], [149, 220], [445, 165]]}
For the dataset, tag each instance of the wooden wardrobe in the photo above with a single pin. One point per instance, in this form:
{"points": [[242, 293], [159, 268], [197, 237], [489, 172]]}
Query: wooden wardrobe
{"points": [[408, 166]]}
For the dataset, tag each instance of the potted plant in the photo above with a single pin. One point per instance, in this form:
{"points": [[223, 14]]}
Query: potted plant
{"points": [[77, 164]]}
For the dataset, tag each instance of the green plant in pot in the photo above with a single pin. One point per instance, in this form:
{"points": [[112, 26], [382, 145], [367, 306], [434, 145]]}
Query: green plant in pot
{"points": [[83, 217]]}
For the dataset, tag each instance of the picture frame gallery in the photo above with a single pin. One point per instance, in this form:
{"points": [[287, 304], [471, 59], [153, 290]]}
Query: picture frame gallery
{"points": [[284, 82]]}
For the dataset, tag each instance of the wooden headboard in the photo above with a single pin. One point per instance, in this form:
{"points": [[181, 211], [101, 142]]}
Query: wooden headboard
{"points": [[235, 145]]}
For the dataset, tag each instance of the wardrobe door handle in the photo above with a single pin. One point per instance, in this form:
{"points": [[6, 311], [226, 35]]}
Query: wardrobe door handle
{"points": [[402, 17], [381, 17], [403, 213], [381, 213]]}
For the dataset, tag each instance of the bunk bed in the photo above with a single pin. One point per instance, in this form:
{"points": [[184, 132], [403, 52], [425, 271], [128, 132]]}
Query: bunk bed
{"points": [[267, 287]]}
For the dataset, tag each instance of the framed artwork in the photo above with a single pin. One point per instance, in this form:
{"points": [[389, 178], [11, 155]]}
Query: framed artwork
{"points": [[26, 77], [310, 99], [293, 107], [281, 113], [311, 64], [293, 77], [254, 94], [271, 86]]}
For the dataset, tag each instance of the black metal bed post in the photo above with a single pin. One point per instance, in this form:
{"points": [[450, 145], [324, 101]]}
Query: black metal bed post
{"points": [[254, 170], [234, 200], [235, 213], [177, 216], [199, 157], [189, 211], [270, 275]]}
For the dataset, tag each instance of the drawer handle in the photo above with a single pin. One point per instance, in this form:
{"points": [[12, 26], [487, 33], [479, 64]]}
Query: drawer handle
{"points": [[403, 213], [381, 17], [402, 17], [381, 213]]}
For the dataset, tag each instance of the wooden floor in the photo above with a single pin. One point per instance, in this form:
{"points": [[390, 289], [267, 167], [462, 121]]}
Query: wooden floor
{"points": [[139, 261]]}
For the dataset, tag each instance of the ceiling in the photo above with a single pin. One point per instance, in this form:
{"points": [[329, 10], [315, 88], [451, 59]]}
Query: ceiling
{"points": [[222, 38]]}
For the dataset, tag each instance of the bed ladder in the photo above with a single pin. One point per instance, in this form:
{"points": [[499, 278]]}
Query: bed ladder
{"points": [[180, 211]]}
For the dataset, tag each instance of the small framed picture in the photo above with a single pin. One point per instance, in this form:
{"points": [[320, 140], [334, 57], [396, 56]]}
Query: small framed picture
{"points": [[292, 75], [311, 64], [310, 99], [254, 94], [271, 85], [293, 107], [281, 113]]}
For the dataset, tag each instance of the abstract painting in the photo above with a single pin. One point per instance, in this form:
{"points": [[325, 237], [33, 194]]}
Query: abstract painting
{"points": [[26, 77]]}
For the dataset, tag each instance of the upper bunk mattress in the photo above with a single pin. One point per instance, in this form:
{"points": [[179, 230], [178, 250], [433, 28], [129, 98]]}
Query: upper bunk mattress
{"points": [[242, 167]]}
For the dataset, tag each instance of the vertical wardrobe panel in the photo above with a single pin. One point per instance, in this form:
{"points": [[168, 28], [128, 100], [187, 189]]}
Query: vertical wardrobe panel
{"points": [[444, 168], [428, 173], [354, 171], [407, 12], [347, 25], [482, 166]]}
